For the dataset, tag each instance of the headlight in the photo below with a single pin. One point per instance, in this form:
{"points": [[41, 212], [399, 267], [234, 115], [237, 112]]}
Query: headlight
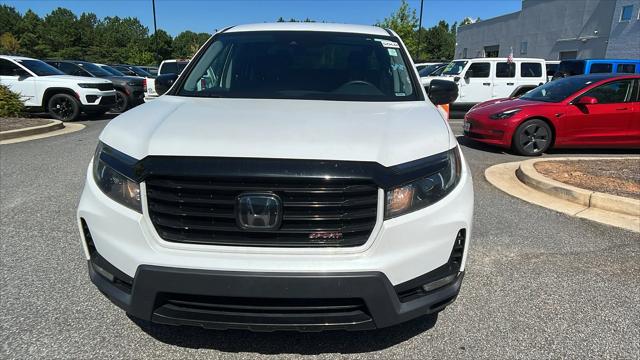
{"points": [[424, 191], [89, 86], [505, 114], [115, 185]]}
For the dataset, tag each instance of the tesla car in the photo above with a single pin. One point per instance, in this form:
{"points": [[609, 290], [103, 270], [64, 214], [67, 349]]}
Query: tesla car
{"points": [[585, 111]]}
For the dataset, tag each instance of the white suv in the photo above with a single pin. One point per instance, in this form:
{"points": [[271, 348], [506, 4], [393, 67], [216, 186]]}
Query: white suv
{"points": [[295, 176], [485, 79], [45, 88]]}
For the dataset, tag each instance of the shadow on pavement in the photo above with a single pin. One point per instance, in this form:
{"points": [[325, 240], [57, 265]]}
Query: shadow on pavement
{"points": [[312, 343], [476, 145]]}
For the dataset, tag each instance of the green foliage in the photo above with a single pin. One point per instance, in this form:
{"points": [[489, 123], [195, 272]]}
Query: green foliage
{"points": [[405, 23], [10, 103], [61, 34], [64, 35]]}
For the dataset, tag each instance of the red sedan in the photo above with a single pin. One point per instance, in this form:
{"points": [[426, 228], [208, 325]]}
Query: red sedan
{"points": [[596, 110]]}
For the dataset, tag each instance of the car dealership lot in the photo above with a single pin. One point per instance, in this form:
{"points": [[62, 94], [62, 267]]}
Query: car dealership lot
{"points": [[538, 283]]}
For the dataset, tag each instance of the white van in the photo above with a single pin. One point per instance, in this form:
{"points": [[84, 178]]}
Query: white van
{"points": [[484, 79]]}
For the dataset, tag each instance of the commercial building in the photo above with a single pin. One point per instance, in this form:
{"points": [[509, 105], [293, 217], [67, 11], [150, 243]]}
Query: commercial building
{"points": [[557, 30]]}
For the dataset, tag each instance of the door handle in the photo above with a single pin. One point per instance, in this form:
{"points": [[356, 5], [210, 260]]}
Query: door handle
{"points": [[622, 108], [486, 84], [509, 83]]}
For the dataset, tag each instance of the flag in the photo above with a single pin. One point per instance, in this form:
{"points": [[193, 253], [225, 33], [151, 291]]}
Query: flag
{"points": [[510, 57]]}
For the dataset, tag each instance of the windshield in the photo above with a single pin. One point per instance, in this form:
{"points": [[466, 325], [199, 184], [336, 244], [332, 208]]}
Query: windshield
{"points": [[428, 70], [454, 68], [301, 65], [558, 90], [40, 68], [111, 70], [94, 70], [571, 68], [139, 71], [173, 67]]}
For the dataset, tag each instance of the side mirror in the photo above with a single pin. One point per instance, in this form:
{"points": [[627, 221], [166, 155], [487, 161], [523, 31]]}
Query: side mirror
{"points": [[442, 92], [456, 78], [587, 100], [20, 73], [468, 74], [164, 82]]}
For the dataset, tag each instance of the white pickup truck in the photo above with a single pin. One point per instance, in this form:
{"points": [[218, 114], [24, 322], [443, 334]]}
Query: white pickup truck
{"points": [[484, 79], [45, 88], [171, 66]]}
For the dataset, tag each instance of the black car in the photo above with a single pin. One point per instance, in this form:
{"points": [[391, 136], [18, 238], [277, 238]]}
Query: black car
{"points": [[129, 90], [131, 70]]}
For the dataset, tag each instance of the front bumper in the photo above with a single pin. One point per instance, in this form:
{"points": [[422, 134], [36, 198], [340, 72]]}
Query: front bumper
{"points": [[493, 132], [270, 301]]}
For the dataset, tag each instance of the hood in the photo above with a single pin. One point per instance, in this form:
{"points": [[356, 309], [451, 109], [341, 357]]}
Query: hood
{"points": [[126, 79], [497, 105], [80, 79], [427, 79], [389, 133]]}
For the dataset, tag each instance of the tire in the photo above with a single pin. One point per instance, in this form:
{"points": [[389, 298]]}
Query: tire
{"points": [[64, 107], [122, 102], [532, 138]]}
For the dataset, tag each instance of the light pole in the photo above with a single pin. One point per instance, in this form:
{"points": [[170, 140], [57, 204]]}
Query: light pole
{"points": [[420, 32], [155, 30]]}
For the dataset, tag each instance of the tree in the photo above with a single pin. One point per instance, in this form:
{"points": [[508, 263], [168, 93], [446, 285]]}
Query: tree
{"points": [[404, 22], [9, 19], [164, 43], [9, 44], [187, 43]]}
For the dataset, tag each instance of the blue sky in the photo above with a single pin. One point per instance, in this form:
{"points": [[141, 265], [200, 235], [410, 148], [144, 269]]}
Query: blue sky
{"points": [[205, 16]]}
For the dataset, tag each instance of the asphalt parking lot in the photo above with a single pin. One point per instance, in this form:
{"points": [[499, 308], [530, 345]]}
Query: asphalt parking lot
{"points": [[539, 284]]}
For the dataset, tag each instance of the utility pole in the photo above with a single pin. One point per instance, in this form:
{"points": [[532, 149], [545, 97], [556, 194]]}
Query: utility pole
{"points": [[420, 32], [155, 31]]}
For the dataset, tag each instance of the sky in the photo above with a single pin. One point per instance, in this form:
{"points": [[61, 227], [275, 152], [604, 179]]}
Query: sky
{"points": [[175, 16]]}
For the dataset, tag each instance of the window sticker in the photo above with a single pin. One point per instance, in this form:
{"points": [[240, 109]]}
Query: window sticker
{"points": [[392, 52], [388, 43]]}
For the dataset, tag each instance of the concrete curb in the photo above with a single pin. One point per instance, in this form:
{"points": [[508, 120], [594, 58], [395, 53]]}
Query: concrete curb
{"points": [[528, 174], [68, 128], [503, 177], [30, 131]]}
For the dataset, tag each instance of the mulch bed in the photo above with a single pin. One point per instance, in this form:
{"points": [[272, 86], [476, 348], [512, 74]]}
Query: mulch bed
{"points": [[617, 177], [7, 124]]}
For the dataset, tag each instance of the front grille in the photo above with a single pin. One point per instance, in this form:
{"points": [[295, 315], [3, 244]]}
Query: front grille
{"points": [[104, 86], [315, 212]]}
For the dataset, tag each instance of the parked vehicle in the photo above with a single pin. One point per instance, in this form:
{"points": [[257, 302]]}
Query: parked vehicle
{"points": [[167, 67], [172, 66], [420, 66], [150, 69], [552, 68], [46, 89], [131, 70], [129, 89], [484, 79], [596, 110], [270, 190], [597, 66], [432, 70]]}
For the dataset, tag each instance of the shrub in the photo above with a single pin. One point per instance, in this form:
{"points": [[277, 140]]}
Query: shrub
{"points": [[10, 103]]}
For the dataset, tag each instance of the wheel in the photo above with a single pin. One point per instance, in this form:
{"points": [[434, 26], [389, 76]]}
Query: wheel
{"points": [[64, 107], [532, 137], [122, 102]]}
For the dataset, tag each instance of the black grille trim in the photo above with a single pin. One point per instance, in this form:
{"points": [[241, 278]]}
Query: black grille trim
{"points": [[202, 211]]}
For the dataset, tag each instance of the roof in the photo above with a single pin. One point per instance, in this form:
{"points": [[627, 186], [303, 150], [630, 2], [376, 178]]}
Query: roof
{"points": [[16, 57], [310, 26], [603, 76], [501, 59]]}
